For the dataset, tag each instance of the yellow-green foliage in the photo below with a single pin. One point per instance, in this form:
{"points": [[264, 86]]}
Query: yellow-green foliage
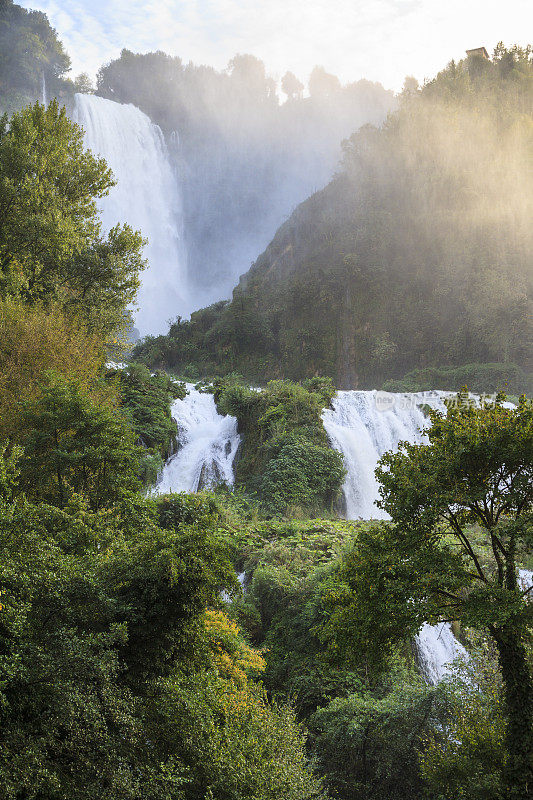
{"points": [[33, 341], [232, 657]]}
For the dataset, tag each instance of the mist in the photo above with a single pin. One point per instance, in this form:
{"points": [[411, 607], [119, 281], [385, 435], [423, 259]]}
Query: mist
{"points": [[416, 256], [244, 153]]}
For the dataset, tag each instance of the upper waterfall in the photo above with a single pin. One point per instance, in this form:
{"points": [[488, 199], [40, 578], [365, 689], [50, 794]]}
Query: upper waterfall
{"points": [[146, 197]]}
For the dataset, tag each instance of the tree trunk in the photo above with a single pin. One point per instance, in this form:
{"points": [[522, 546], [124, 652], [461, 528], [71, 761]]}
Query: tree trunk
{"points": [[518, 773]]}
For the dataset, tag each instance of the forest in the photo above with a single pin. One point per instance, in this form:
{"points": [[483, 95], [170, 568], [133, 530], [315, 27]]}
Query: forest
{"points": [[246, 642], [415, 258]]}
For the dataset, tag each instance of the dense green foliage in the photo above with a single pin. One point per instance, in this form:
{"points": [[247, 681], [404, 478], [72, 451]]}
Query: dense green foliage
{"points": [[367, 728], [370, 746], [51, 248], [119, 675], [64, 297], [146, 402], [65, 293], [432, 564], [340, 651], [30, 52], [464, 755], [109, 684], [417, 255], [286, 459], [35, 340], [76, 445]]}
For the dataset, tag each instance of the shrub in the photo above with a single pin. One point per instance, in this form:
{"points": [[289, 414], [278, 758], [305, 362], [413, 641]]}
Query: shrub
{"points": [[301, 477], [369, 747], [286, 458], [33, 341]]}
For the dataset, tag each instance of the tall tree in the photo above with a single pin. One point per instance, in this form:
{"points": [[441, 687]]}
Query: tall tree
{"points": [[51, 247], [29, 51], [291, 86], [322, 83], [77, 445], [461, 509]]}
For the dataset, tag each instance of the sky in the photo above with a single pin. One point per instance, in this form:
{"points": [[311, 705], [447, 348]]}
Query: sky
{"points": [[381, 40]]}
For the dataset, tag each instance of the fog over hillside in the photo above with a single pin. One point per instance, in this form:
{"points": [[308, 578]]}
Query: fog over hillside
{"points": [[416, 255], [245, 152]]}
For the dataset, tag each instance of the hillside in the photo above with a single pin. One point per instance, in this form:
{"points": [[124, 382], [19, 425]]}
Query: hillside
{"points": [[182, 615], [417, 255], [244, 153]]}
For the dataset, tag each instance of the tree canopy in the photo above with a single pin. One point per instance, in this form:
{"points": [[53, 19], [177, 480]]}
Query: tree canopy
{"points": [[51, 246], [461, 509], [30, 52]]}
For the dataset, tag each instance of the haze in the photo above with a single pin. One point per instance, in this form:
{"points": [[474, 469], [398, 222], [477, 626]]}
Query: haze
{"points": [[382, 40]]}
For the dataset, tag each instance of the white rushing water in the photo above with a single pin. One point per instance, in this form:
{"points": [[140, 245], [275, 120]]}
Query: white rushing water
{"points": [[365, 425], [436, 648], [525, 581], [208, 445], [146, 197]]}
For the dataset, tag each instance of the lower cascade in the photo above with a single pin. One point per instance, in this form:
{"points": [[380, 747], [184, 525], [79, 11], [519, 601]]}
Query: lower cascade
{"points": [[365, 425], [436, 647], [208, 445], [362, 425]]}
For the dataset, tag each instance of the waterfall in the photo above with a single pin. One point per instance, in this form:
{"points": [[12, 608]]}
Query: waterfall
{"points": [[208, 445], [436, 647], [43, 91], [146, 197], [365, 425], [525, 581]]}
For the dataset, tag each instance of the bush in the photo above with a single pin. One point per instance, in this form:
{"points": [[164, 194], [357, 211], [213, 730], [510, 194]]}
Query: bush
{"points": [[147, 401], [285, 458], [369, 747], [33, 341], [300, 477], [234, 743], [76, 445], [464, 752]]}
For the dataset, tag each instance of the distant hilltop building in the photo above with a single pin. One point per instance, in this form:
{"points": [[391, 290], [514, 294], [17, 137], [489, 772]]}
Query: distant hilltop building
{"points": [[478, 51]]}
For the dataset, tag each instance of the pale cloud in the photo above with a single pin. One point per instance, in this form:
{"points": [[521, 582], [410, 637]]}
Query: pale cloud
{"points": [[381, 40]]}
